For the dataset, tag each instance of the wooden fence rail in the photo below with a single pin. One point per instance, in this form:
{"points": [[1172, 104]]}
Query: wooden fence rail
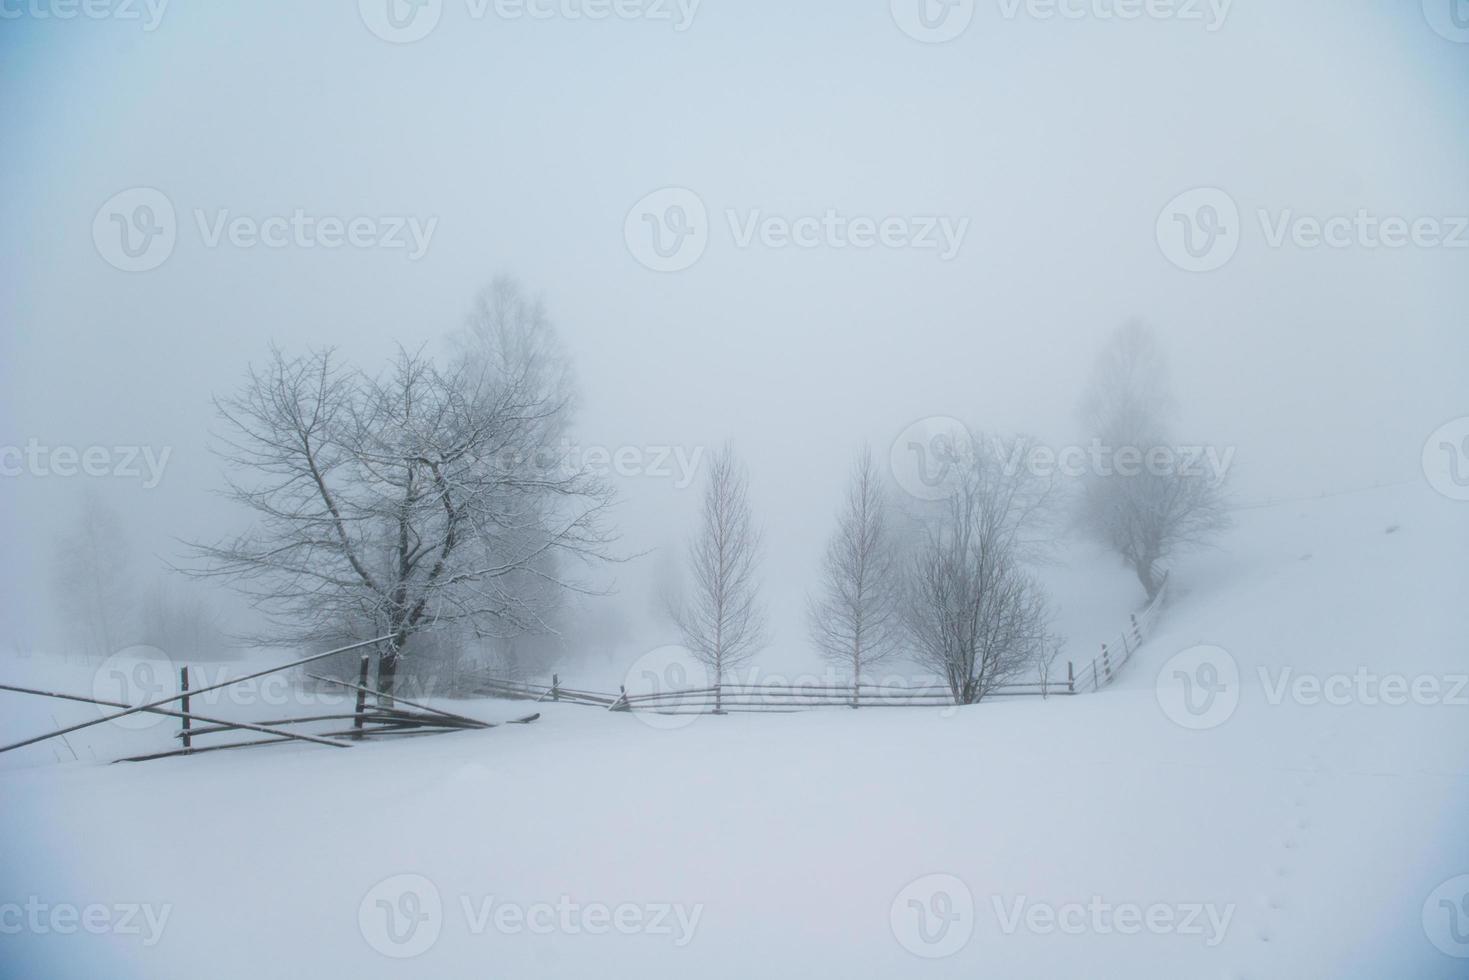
{"points": [[385, 715], [1092, 675]]}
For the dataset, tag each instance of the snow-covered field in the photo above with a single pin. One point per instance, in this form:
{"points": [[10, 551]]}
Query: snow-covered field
{"points": [[1266, 830]]}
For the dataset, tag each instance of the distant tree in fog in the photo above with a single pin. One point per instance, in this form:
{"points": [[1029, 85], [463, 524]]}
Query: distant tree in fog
{"points": [[424, 498], [1151, 513], [719, 614], [182, 623], [854, 620], [93, 581]]}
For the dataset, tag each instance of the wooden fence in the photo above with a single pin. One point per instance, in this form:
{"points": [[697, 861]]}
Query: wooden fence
{"points": [[384, 715], [782, 696]]}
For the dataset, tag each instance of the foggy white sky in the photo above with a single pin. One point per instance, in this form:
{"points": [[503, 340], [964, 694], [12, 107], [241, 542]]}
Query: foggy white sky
{"points": [[529, 141]]}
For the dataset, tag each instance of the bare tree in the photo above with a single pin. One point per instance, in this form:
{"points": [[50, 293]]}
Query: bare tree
{"points": [[182, 623], [93, 581], [418, 500], [720, 616], [1146, 513], [1128, 401], [973, 613], [1149, 517], [1045, 662], [855, 620]]}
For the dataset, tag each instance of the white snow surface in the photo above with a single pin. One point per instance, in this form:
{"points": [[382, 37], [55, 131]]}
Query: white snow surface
{"points": [[1318, 832]]}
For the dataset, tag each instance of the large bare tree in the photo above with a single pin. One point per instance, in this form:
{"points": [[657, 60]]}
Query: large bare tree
{"points": [[1148, 513], [973, 612], [418, 499], [719, 613], [854, 621]]}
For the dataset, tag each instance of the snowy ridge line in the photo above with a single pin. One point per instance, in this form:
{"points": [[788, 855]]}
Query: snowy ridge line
{"points": [[1323, 495]]}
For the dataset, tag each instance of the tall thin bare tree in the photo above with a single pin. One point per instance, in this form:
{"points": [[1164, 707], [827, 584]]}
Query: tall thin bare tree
{"points": [[854, 621], [720, 615]]}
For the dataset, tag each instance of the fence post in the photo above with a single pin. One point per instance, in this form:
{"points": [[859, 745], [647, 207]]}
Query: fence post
{"points": [[719, 696], [357, 719], [1070, 679], [555, 687], [1096, 684], [184, 687], [1107, 660]]}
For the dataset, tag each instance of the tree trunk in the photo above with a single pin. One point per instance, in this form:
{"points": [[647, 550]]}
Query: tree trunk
{"points": [[1147, 576], [387, 675]]}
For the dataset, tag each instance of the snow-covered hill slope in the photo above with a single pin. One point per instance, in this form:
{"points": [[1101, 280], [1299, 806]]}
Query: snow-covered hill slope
{"points": [[1182, 823]]}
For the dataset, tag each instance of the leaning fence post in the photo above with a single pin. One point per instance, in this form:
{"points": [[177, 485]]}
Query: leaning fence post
{"points": [[357, 715], [1096, 684], [184, 687], [1107, 661], [555, 687]]}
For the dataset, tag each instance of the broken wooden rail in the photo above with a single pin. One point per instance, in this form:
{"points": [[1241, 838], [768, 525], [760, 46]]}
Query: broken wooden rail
{"points": [[387, 715]]}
